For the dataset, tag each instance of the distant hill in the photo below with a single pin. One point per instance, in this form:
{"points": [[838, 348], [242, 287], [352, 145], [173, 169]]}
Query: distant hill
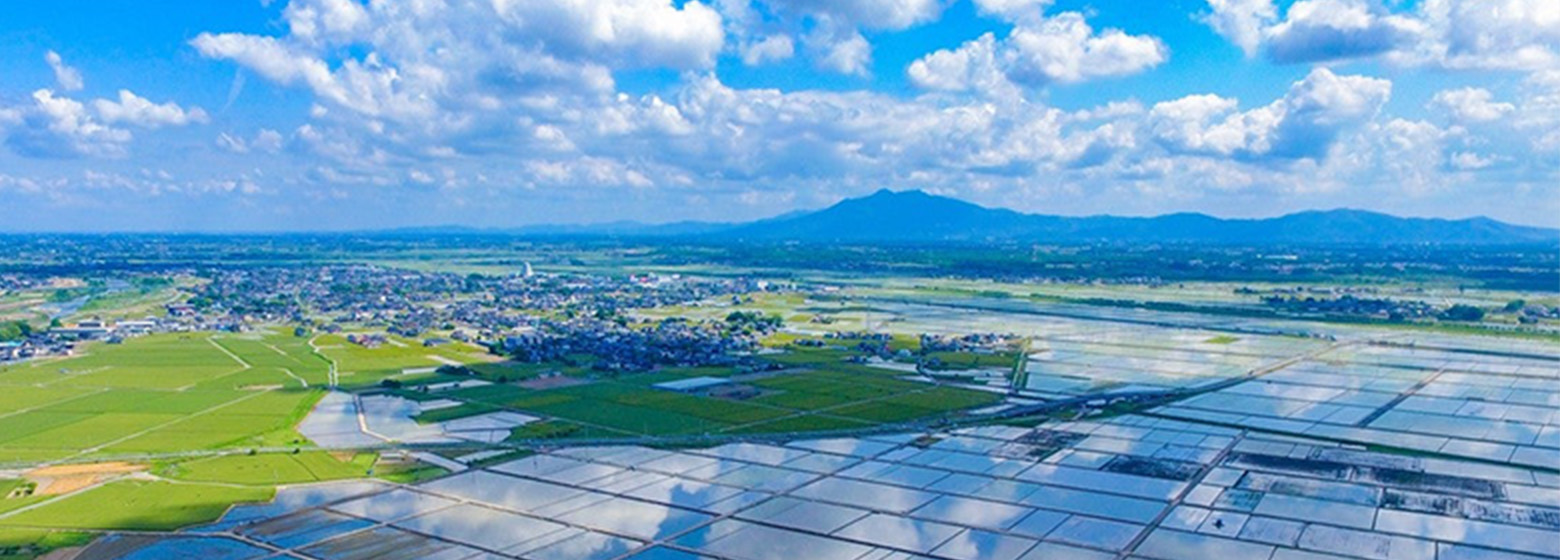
{"points": [[890, 216], [918, 217], [915, 216]]}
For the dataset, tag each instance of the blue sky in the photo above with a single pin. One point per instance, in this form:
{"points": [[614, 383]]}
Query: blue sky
{"points": [[347, 114]]}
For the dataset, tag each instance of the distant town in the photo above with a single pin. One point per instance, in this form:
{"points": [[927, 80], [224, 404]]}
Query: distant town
{"points": [[547, 316]]}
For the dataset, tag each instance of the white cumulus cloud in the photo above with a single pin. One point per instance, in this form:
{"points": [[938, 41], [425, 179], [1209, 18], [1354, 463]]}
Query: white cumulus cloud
{"points": [[1304, 124], [971, 66], [1470, 105], [627, 32], [1470, 161], [68, 78], [418, 59], [136, 110], [769, 49], [52, 125], [1039, 51], [1242, 21], [1462, 34], [868, 14], [1065, 48], [1012, 10], [829, 32], [1321, 30], [1498, 34], [847, 55], [313, 20], [56, 126]]}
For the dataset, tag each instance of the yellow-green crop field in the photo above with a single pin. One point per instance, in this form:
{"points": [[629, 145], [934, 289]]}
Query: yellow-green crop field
{"points": [[188, 406], [360, 366], [157, 394], [137, 505]]}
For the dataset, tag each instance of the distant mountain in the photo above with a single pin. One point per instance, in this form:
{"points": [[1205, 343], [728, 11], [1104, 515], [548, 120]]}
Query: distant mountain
{"points": [[915, 216], [918, 217], [891, 216]]}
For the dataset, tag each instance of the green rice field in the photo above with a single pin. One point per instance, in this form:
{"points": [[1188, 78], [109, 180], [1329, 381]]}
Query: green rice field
{"points": [[400, 358], [137, 505], [271, 469], [158, 394], [819, 393]]}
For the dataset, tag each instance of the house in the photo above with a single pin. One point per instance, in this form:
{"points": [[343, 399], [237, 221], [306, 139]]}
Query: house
{"points": [[367, 340], [135, 327], [10, 351], [85, 330]]}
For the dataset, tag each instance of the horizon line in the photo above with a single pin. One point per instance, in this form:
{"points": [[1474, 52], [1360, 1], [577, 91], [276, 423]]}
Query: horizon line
{"points": [[511, 229]]}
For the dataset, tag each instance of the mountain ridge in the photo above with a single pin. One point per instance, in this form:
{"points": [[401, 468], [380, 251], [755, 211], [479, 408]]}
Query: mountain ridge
{"points": [[915, 216]]}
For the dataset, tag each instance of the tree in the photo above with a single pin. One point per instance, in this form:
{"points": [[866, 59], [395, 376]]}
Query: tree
{"points": [[1515, 305], [1462, 312], [455, 370]]}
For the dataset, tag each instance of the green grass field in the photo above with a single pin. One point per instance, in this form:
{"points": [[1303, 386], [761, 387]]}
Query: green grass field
{"points": [[158, 394], [270, 469], [155, 396], [972, 360], [22, 499], [822, 393], [22, 544], [152, 397], [456, 412], [137, 505], [360, 367], [517, 371], [547, 429]]}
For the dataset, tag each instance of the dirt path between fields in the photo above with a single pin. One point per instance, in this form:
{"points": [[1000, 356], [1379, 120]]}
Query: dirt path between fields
{"points": [[64, 479]]}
